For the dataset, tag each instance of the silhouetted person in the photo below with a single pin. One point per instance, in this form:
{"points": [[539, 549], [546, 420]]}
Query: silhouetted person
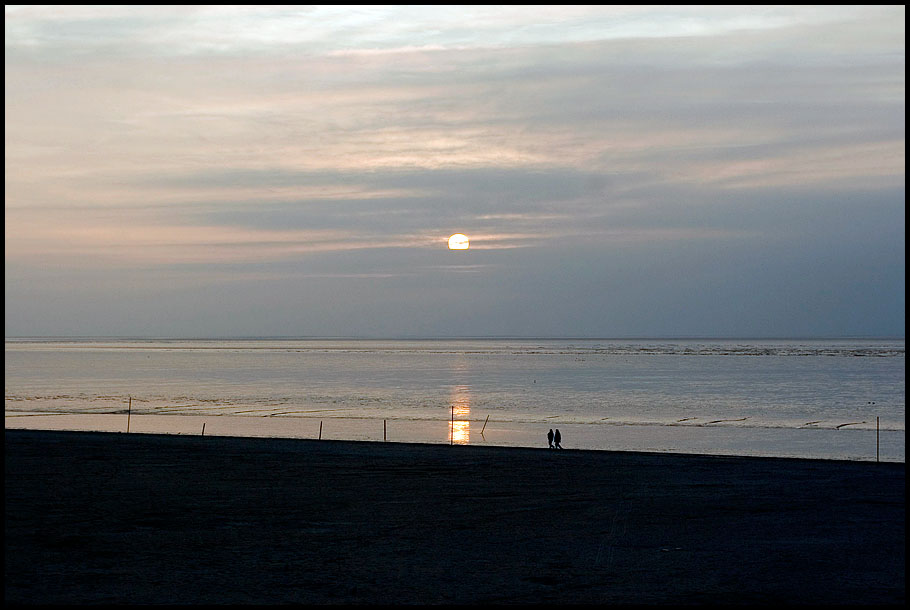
{"points": [[550, 438], [557, 437]]}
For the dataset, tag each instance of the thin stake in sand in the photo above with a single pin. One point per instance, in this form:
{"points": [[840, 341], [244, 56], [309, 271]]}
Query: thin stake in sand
{"points": [[320, 430], [129, 411], [484, 424]]}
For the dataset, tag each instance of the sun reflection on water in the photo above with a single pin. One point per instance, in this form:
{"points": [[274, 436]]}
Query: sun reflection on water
{"points": [[460, 424]]}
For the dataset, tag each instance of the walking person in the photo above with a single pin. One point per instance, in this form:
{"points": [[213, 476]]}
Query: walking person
{"points": [[550, 438], [557, 438]]}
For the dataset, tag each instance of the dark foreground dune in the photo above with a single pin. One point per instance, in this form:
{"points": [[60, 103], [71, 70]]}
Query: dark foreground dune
{"points": [[116, 518]]}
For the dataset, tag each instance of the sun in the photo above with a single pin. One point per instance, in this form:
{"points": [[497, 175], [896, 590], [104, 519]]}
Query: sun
{"points": [[459, 241]]}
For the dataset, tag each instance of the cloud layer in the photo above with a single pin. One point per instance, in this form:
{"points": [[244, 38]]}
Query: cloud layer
{"points": [[620, 171]]}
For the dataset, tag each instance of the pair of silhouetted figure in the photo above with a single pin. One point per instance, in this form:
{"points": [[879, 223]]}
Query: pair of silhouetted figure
{"points": [[554, 439]]}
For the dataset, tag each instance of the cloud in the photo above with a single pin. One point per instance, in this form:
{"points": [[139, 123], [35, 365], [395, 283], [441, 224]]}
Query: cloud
{"points": [[345, 144], [219, 30]]}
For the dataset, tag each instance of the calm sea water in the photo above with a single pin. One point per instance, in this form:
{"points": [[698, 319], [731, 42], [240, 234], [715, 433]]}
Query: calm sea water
{"points": [[768, 385]]}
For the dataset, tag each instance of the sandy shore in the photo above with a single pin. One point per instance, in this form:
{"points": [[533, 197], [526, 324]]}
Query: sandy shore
{"points": [[849, 443], [115, 518]]}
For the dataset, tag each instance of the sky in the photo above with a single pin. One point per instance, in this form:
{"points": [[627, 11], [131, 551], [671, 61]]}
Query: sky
{"points": [[237, 171]]}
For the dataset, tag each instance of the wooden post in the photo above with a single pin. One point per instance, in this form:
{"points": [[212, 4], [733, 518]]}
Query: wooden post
{"points": [[129, 411], [320, 430], [484, 425], [452, 428], [383, 431], [203, 428], [876, 439]]}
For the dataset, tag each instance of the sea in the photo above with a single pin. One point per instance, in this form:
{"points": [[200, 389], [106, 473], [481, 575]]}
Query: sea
{"points": [[814, 398]]}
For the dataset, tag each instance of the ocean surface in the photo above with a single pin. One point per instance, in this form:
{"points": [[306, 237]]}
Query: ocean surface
{"points": [[804, 398]]}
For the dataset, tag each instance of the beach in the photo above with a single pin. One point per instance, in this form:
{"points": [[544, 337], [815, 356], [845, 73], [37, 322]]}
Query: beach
{"points": [[102, 517]]}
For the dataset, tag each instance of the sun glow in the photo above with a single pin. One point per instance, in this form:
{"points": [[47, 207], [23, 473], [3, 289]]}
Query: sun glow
{"points": [[459, 241]]}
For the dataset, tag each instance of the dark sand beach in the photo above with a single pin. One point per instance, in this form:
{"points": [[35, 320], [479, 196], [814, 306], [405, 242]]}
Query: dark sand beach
{"points": [[114, 518]]}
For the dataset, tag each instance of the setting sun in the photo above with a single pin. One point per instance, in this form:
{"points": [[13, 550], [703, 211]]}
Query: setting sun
{"points": [[459, 242]]}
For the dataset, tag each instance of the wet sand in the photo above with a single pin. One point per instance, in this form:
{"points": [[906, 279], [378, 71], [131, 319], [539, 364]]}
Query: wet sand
{"points": [[94, 517]]}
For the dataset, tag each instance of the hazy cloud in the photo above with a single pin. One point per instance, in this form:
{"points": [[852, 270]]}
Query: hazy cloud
{"points": [[322, 156]]}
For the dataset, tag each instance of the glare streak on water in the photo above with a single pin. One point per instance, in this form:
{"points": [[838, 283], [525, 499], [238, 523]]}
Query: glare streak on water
{"points": [[783, 384]]}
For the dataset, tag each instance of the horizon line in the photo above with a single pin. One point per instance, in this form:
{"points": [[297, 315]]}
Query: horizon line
{"points": [[459, 337]]}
